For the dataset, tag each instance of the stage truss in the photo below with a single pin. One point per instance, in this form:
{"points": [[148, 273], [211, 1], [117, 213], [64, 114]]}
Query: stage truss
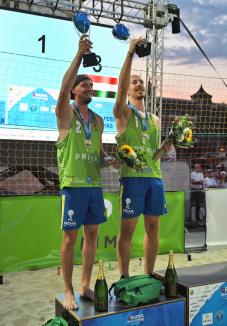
{"points": [[154, 16]]}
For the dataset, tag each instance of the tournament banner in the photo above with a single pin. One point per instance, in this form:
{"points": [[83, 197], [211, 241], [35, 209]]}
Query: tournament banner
{"points": [[25, 220], [208, 305], [168, 314], [29, 112]]}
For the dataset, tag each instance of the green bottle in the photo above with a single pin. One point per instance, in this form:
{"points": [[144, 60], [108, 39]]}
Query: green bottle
{"points": [[171, 278], [101, 291]]}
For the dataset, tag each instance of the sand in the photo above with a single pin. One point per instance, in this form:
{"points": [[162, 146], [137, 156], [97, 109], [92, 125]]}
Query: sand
{"points": [[27, 298]]}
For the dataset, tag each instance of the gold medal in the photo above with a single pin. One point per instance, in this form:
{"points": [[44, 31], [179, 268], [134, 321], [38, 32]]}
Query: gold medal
{"points": [[88, 143]]}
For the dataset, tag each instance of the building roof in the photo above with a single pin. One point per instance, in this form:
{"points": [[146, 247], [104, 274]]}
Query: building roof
{"points": [[201, 94]]}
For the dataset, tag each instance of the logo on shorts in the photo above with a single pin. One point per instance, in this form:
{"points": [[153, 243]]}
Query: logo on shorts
{"points": [[127, 208], [70, 222], [128, 202], [70, 214]]}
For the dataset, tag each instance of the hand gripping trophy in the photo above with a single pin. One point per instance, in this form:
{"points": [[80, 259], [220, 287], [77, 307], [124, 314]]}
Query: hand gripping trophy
{"points": [[82, 23], [121, 32]]}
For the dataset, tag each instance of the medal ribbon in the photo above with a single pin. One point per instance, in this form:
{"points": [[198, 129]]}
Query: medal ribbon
{"points": [[143, 121], [87, 126]]}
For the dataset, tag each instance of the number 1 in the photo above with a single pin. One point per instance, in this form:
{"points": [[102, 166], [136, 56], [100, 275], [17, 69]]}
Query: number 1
{"points": [[43, 39]]}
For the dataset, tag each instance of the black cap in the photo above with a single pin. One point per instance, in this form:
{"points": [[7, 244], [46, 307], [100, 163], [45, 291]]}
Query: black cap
{"points": [[79, 79]]}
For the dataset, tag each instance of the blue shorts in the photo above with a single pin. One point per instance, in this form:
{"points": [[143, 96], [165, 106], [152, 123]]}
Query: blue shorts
{"points": [[80, 206], [142, 196]]}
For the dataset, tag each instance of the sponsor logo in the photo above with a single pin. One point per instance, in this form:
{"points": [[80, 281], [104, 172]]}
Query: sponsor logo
{"points": [[86, 157], [224, 290], [219, 315], [128, 202], [33, 108], [136, 318], [108, 207], [70, 214], [194, 310], [40, 96], [127, 208], [207, 319], [70, 222]]}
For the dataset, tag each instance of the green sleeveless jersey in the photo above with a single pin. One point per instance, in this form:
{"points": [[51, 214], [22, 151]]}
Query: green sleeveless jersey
{"points": [[148, 141], [79, 165]]}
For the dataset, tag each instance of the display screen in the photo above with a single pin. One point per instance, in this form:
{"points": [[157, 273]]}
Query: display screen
{"points": [[35, 52]]}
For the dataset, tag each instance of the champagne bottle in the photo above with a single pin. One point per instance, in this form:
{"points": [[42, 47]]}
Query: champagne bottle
{"points": [[101, 291], [171, 278]]}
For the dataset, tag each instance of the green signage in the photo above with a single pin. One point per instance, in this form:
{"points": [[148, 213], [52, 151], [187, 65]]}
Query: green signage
{"points": [[30, 235]]}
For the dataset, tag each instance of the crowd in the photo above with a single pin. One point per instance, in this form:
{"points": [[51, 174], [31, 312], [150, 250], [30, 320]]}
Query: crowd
{"points": [[208, 178], [202, 180]]}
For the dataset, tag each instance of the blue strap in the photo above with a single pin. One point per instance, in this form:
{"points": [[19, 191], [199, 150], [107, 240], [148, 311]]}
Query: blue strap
{"points": [[143, 121], [87, 126]]}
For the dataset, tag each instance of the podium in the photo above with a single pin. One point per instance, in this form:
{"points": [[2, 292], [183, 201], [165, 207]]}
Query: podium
{"points": [[161, 312], [205, 290]]}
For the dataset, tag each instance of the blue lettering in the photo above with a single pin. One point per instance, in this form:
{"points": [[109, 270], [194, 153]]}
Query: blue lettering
{"points": [[108, 125], [109, 119]]}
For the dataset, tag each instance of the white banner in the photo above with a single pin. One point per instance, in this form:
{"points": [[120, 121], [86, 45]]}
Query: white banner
{"points": [[216, 206]]}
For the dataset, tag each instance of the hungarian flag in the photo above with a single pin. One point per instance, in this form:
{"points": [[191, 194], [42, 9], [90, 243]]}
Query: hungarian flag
{"points": [[104, 86]]}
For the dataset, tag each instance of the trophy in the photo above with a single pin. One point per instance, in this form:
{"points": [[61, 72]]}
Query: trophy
{"points": [[121, 32], [81, 21], [143, 49]]}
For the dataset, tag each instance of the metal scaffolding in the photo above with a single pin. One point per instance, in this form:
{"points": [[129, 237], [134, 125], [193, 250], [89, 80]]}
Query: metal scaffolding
{"points": [[154, 66], [153, 15]]}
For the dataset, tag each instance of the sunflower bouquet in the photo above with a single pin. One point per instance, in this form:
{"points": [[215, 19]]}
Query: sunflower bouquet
{"points": [[180, 135], [132, 157]]}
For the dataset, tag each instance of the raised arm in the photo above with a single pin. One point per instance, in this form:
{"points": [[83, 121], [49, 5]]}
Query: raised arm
{"points": [[62, 108], [124, 79]]}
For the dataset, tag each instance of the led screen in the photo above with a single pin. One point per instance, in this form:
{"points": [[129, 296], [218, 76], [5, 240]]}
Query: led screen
{"points": [[35, 52]]}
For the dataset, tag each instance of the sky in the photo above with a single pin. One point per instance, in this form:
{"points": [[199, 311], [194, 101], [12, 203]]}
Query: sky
{"points": [[184, 66], [207, 22]]}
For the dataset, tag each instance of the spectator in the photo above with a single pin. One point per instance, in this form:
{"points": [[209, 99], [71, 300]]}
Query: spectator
{"points": [[210, 181], [197, 193], [222, 182], [219, 167], [170, 156]]}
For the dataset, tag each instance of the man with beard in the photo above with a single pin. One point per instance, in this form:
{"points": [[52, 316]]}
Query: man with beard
{"points": [[79, 154], [141, 192]]}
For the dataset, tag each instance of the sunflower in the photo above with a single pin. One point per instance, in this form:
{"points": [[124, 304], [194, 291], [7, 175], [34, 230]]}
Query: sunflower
{"points": [[132, 157], [180, 135], [188, 136], [127, 149]]}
